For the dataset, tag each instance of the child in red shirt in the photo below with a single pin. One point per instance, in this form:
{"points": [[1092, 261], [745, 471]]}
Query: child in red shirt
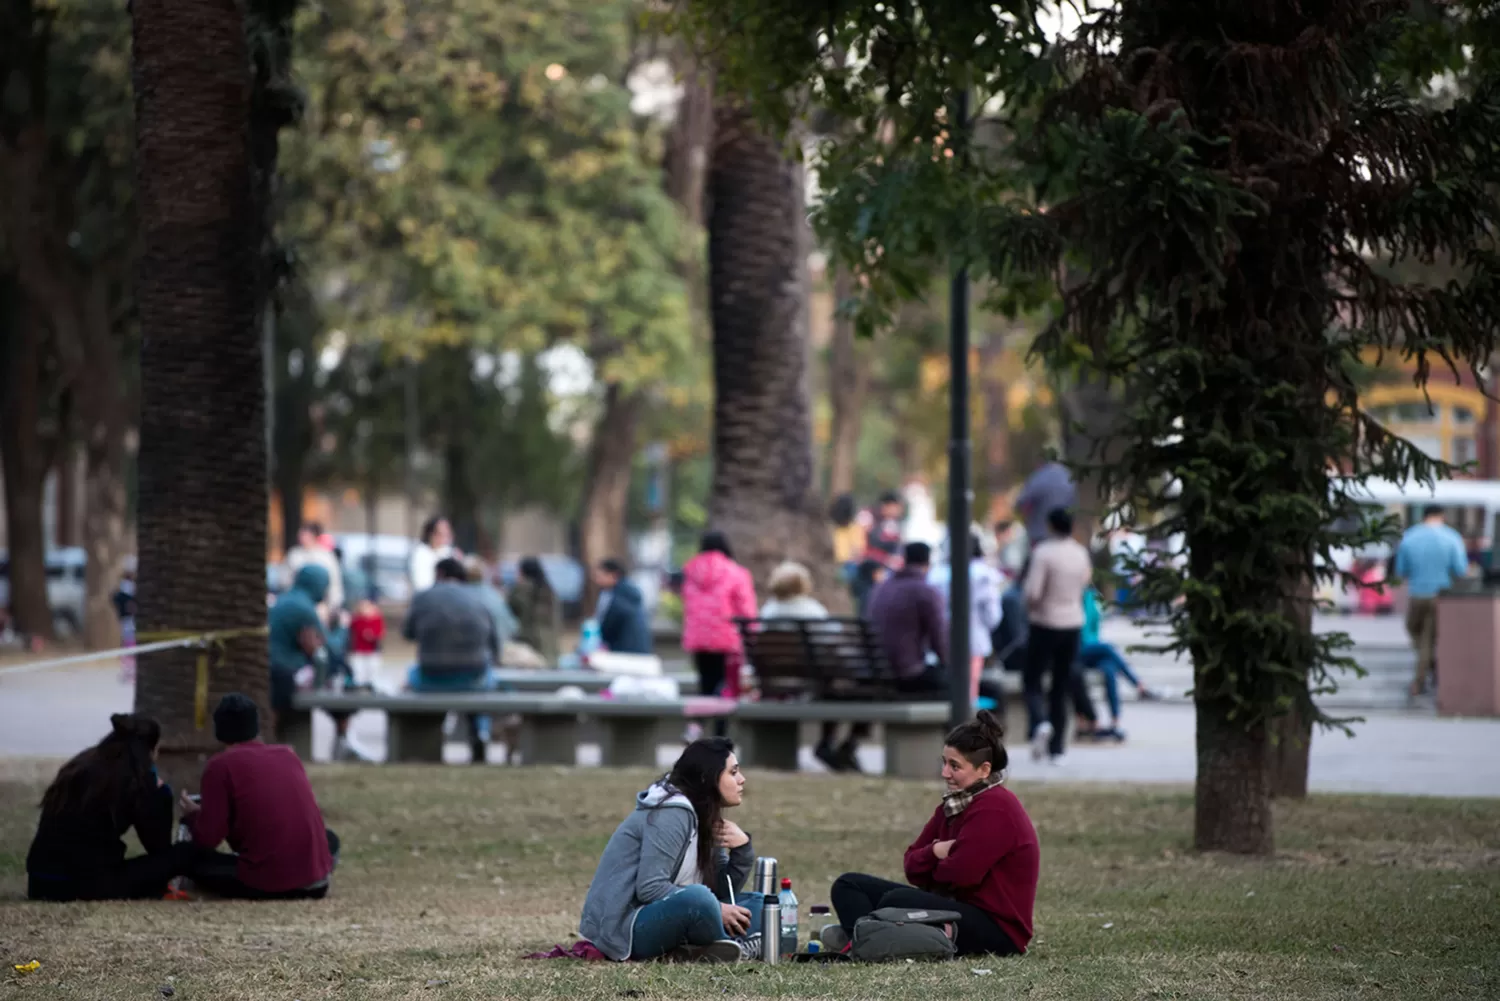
{"points": [[978, 855], [367, 633]]}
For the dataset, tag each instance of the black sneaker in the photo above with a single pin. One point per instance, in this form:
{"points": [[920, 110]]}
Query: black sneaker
{"points": [[825, 753], [750, 946], [848, 760]]}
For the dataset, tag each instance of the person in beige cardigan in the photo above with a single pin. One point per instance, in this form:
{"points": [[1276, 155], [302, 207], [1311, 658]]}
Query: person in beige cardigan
{"points": [[1060, 572]]}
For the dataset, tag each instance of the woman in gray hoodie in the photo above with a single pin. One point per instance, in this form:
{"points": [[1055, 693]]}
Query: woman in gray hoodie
{"points": [[668, 883]]}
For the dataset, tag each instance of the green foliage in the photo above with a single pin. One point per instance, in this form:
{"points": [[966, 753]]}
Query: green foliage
{"points": [[472, 172], [1207, 184]]}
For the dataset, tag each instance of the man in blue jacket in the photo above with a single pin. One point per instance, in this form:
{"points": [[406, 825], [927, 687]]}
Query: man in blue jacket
{"points": [[300, 653], [1431, 554], [623, 627]]}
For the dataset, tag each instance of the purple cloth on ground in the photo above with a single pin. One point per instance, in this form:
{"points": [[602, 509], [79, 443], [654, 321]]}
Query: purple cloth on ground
{"points": [[580, 950]]}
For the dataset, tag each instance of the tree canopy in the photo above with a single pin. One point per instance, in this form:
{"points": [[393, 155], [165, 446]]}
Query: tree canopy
{"points": [[1209, 187], [472, 172]]}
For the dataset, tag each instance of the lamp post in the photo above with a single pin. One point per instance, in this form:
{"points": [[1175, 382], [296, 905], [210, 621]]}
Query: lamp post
{"points": [[959, 453]]}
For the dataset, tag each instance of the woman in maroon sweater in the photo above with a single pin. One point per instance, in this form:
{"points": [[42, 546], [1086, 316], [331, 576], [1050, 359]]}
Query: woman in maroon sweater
{"points": [[977, 855]]}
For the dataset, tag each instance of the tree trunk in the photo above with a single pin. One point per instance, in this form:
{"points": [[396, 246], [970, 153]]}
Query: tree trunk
{"points": [[848, 384], [25, 461], [203, 449], [104, 533], [1290, 754], [602, 529], [997, 476], [65, 528], [459, 500], [1291, 734], [1233, 790], [762, 495]]}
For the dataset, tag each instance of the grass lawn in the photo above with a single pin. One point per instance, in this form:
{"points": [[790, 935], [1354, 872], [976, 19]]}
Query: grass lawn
{"points": [[450, 874]]}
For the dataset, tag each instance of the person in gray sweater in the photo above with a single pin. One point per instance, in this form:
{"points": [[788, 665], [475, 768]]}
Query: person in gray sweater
{"points": [[457, 645], [668, 884]]}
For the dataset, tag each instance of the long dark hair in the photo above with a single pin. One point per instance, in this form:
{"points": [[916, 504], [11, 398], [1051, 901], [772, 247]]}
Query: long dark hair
{"points": [[112, 773], [696, 776], [843, 511], [979, 740], [715, 541], [531, 569]]}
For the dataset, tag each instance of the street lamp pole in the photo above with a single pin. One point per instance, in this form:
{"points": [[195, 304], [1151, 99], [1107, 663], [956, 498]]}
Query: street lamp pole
{"points": [[959, 452]]}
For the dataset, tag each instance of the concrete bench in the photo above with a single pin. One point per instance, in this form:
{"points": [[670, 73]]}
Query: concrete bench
{"points": [[630, 730], [592, 682], [767, 734]]}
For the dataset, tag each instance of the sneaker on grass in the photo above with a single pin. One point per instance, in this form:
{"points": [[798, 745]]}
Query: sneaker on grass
{"points": [[833, 938], [1041, 740]]}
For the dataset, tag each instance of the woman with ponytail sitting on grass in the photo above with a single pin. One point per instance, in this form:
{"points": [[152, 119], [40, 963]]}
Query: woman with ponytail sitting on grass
{"points": [[977, 855]]}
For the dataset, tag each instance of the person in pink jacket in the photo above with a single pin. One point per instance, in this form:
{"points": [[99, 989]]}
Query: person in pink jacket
{"points": [[715, 591]]}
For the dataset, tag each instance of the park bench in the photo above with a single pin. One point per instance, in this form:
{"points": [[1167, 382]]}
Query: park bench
{"points": [[629, 729], [768, 734], [829, 671], [591, 682], [822, 659]]}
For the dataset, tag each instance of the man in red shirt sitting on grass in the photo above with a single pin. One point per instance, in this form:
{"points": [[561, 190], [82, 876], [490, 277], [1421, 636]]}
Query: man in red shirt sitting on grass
{"points": [[256, 796]]}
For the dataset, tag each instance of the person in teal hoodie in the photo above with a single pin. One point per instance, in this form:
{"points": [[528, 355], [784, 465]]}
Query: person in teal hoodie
{"points": [[300, 652], [1094, 653]]}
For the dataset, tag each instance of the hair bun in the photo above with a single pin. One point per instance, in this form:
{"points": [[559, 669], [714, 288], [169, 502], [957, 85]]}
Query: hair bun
{"points": [[990, 723], [122, 723]]}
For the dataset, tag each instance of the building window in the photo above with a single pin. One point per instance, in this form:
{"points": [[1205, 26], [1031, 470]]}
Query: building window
{"points": [[1430, 445], [1463, 415], [1463, 450], [1416, 413]]}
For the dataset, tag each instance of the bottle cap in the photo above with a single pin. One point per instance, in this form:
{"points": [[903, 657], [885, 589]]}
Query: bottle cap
{"points": [[786, 884]]}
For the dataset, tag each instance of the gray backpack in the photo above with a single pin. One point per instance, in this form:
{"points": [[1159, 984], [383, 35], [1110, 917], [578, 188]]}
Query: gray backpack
{"points": [[894, 933]]}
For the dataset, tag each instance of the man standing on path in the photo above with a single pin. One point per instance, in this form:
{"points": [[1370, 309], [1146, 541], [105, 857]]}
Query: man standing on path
{"points": [[1061, 571], [1048, 489], [1431, 554]]}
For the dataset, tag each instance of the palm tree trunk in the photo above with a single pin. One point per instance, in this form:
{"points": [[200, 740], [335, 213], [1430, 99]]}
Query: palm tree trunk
{"points": [[203, 449], [25, 459], [763, 494]]}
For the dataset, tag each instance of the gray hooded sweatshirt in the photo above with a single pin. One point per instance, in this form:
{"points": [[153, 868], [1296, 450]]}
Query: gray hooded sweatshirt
{"points": [[651, 855]]}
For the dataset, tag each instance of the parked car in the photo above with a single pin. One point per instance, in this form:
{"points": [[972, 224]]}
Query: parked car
{"points": [[378, 562], [65, 588]]}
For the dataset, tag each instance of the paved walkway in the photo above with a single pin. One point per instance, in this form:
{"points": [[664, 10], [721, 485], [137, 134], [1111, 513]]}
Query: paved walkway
{"points": [[55, 713]]}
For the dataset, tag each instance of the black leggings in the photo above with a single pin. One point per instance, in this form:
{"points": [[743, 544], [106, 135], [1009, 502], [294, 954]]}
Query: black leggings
{"points": [[144, 877], [1050, 653], [218, 873], [855, 895], [712, 668]]}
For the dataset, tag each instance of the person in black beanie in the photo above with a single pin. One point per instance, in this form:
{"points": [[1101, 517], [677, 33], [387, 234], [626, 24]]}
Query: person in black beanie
{"points": [[257, 797]]}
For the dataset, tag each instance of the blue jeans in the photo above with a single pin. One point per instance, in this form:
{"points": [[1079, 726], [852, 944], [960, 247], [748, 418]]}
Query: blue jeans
{"points": [[690, 916], [1109, 662], [484, 681]]}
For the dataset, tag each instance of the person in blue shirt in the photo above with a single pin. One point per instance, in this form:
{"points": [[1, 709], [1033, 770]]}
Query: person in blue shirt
{"points": [[1095, 653], [1431, 554], [621, 611]]}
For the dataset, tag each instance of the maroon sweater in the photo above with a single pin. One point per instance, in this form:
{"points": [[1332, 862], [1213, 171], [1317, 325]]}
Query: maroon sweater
{"points": [[993, 865], [257, 797]]}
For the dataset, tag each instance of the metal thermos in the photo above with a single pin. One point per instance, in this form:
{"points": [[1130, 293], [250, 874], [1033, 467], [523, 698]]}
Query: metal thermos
{"points": [[768, 886]]}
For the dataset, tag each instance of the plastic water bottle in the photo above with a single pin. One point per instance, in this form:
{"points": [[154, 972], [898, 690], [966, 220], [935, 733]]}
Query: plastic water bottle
{"points": [[788, 901], [589, 640]]}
